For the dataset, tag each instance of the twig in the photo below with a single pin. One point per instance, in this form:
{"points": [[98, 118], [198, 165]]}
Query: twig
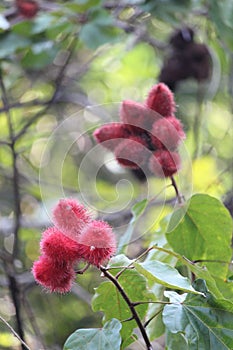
{"points": [[212, 261], [198, 121], [58, 82], [17, 105], [81, 272], [130, 305], [151, 302], [33, 321], [15, 333], [17, 209], [9, 267], [178, 195], [150, 319], [138, 258]]}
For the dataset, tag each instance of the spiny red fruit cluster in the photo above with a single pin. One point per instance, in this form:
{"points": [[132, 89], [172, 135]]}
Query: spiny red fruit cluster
{"points": [[74, 237], [27, 8], [148, 135]]}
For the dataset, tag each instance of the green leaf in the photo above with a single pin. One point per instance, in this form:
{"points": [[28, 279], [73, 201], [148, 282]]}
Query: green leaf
{"points": [[137, 210], [108, 299], [100, 30], [23, 28], [99, 339], [10, 43], [175, 341], [220, 13], [203, 233], [39, 56], [164, 274], [197, 270], [42, 22], [204, 322], [156, 328], [82, 5]]}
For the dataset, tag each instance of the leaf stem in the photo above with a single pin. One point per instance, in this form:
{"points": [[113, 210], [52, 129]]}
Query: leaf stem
{"points": [[81, 271], [130, 305], [150, 319], [212, 261], [151, 302]]}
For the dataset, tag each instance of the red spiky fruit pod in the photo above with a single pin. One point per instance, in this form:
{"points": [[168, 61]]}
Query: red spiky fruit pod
{"points": [[97, 243], [132, 152], [161, 100], [69, 216], [167, 133], [109, 134], [164, 163], [54, 276]]}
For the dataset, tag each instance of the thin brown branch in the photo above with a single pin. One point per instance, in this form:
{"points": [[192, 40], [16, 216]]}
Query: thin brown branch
{"points": [[135, 260], [15, 295], [178, 195], [212, 261], [9, 267], [15, 333], [16, 193], [58, 82], [81, 272], [151, 302], [130, 305], [17, 105], [151, 319], [32, 319]]}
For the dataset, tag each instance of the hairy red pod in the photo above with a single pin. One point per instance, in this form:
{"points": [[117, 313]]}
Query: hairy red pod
{"points": [[58, 246], [69, 216], [137, 115], [54, 276], [167, 133], [132, 152], [97, 243], [161, 100], [164, 163], [109, 134], [27, 8]]}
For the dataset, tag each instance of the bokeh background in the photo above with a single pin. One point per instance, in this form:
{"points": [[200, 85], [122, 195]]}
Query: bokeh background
{"points": [[65, 67]]}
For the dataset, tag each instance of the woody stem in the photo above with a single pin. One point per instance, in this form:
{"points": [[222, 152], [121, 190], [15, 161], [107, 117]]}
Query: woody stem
{"points": [[130, 304], [178, 195]]}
